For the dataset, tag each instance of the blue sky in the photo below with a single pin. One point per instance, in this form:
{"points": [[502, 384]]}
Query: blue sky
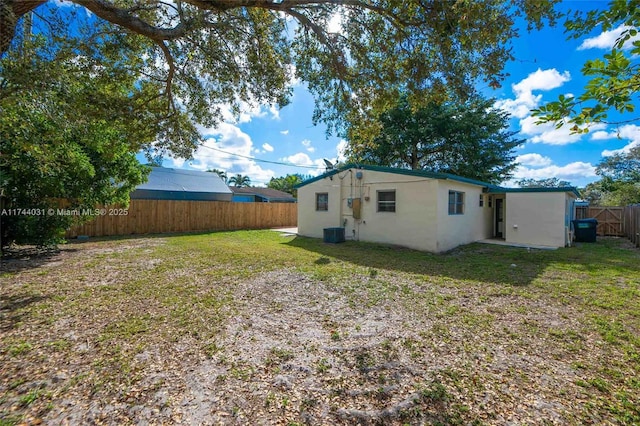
{"points": [[546, 65]]}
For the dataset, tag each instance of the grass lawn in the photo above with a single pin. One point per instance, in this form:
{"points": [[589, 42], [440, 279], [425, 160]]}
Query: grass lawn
{"points": [[254, 327]]}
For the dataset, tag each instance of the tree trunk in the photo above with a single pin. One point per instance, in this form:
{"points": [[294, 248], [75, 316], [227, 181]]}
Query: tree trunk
{"points": [[10, 12]]}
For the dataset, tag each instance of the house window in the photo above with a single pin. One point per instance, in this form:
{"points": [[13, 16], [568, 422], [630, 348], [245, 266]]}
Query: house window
{"points": [[456, 202], [386, 201], [481, 200], [490, 201], [322, 201]]}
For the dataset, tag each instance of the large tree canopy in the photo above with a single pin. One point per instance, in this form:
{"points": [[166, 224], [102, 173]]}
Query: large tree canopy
{"points": [[543, 183], [620, 183], [286, 183], [209, 53], [467, 139], [72, 118]]}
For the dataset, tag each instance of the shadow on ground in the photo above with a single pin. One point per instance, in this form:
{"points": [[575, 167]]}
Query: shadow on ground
{"points": [[474, 262], [11, 309], [20, 258]]}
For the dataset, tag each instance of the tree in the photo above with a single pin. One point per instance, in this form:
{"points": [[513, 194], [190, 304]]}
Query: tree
{"points": [[615, 79], [543, 183], [72, 118], [467, 139], [593, 193], [64, 140], [620, 183], [240, 181], [209, 53], [221, 173], [286, 183]]}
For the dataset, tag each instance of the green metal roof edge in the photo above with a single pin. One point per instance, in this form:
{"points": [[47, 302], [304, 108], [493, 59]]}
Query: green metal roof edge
{"points": [[491, 188], [421, 173], [571, 189], [317, 178]]}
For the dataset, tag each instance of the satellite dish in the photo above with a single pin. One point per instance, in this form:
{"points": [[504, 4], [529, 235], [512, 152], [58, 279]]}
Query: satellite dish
{"points": [[329, 164]]}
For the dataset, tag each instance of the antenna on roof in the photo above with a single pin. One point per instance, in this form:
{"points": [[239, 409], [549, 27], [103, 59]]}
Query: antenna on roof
{"points": [[329, 164]]}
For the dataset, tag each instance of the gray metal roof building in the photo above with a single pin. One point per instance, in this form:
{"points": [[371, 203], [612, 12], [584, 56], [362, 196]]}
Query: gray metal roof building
{"points": [[178, 184]]}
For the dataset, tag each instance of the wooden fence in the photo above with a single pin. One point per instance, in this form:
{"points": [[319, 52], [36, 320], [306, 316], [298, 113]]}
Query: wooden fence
{"points": [[631, 219], [165, 216], [610, 220], [614, 221]]}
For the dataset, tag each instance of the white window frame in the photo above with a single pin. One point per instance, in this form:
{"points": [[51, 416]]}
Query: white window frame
{"points": [[390, 206], [457, 206]]}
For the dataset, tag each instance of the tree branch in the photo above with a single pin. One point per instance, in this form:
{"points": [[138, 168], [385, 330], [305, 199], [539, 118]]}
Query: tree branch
{"points": [[10, 12], [337, 55], [122, 17], [172, 70]]}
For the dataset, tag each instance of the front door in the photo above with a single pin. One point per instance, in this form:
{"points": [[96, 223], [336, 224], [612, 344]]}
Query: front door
{"points": [[499, 218]]}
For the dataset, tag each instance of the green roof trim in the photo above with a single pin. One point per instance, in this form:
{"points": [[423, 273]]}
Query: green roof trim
{"points": [[489, 187], [571, 189], [317, 178], [420, 173]]}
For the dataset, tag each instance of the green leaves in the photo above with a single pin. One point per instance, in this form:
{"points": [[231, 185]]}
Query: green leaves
{"points": [[467, 139], [240, 181], [615, 78], [200, 55], [65, 142], [286, 183]]}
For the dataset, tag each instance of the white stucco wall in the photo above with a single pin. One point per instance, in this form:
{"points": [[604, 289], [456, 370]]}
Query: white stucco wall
{"points": [[311, 222], [412, 225], [458, 229], [421, 220], [536, 218]]}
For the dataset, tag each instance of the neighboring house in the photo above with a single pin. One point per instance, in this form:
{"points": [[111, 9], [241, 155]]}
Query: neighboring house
{"points": [[260, 195], [179, 184], [431, 211]]}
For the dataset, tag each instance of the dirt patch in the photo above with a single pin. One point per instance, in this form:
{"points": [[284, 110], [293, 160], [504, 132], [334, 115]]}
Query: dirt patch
{"points": [[113, 333], [299, 351]]}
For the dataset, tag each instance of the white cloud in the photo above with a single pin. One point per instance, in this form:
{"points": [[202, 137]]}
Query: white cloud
{"points": [[630, 132], [300, 159], [275, 112], [600, 135], [569, 172], [248, 111], [303, 159], [230, 139], [546, 133], [533, 160], [607, 39], [284, 132], [267, 147], [335, 23], [624, 150], [307, 144], [341, 149], [541, 80], [525, 100]]}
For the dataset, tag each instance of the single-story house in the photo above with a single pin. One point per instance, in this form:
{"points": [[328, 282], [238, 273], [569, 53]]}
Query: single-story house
{"points": [[260, 195], [178, 184], [431, 211]]}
